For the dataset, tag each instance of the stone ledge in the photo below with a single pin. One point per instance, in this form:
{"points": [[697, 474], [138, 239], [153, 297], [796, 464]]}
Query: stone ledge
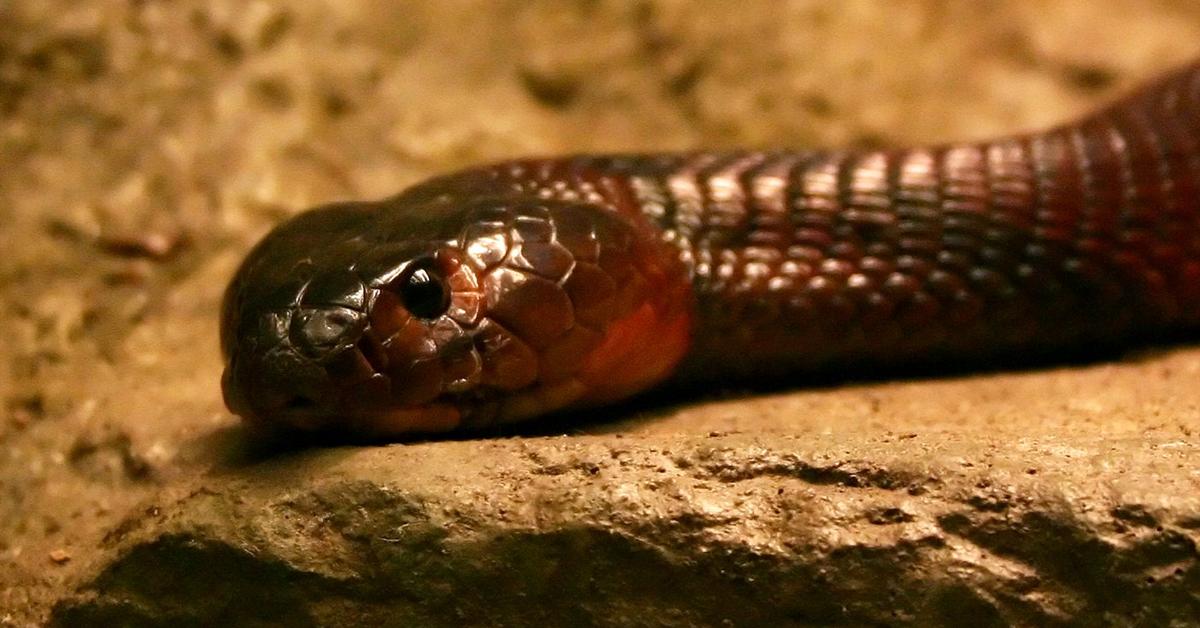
{"points": [[630, 531]]}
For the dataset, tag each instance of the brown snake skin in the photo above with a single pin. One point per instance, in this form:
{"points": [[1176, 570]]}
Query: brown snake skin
{"points": [[511, 290]]}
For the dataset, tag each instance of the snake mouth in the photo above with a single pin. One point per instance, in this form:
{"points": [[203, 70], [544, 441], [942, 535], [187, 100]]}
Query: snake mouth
{"points": [[347, 393], [264, 408]]}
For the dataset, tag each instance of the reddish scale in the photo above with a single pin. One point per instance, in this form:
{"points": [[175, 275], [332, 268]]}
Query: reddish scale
{"points": [[1085, 232]]}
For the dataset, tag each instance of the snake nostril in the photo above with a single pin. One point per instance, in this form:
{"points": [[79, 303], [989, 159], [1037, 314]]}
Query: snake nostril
{"points": [[299, 403], [317, 331]]}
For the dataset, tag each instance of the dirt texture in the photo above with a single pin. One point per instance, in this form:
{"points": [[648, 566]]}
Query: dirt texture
{"points": [[145, 145]]}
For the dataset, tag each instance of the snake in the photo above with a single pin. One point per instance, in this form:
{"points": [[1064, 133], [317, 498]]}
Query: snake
{"points": [[509, 291]]}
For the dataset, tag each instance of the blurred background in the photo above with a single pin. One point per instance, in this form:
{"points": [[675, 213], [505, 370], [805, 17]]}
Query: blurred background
{"points": [[145, 144]]}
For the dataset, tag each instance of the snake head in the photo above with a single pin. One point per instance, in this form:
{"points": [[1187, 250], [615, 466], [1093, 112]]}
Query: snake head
{"points": [[421, 314]]}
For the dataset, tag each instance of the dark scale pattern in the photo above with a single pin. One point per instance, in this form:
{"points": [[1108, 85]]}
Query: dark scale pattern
{"points": [[1089, 232], [585, 279]]}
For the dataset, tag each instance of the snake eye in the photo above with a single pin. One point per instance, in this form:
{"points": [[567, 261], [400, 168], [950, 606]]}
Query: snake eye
{"points": [[424, 290]]}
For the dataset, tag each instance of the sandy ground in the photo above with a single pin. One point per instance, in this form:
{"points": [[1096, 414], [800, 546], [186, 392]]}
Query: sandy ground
{"points": [[144, 146]]}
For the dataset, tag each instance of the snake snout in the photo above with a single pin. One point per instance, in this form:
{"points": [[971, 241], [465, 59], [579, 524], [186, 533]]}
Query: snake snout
{"points": [[277, 383], [303, 371]]}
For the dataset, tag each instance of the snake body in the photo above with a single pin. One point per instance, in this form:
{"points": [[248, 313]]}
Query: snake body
{"points": [[511, 290]]}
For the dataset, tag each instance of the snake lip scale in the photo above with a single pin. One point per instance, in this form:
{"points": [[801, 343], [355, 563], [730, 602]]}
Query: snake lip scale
{"points": [[511, 290]]}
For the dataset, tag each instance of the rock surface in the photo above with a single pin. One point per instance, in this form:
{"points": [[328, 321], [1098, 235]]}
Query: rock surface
{"points": [[145, 145]]}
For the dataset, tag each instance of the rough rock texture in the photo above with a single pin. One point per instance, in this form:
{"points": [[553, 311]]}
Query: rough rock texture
{"points": [[645, 530], [145, 145]]}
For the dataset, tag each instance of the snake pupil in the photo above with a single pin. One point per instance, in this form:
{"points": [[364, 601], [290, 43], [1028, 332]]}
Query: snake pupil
{"points": [[424, 292]]}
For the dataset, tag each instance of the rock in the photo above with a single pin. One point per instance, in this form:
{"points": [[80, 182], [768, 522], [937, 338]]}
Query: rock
{"points": [[736, 530]]}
